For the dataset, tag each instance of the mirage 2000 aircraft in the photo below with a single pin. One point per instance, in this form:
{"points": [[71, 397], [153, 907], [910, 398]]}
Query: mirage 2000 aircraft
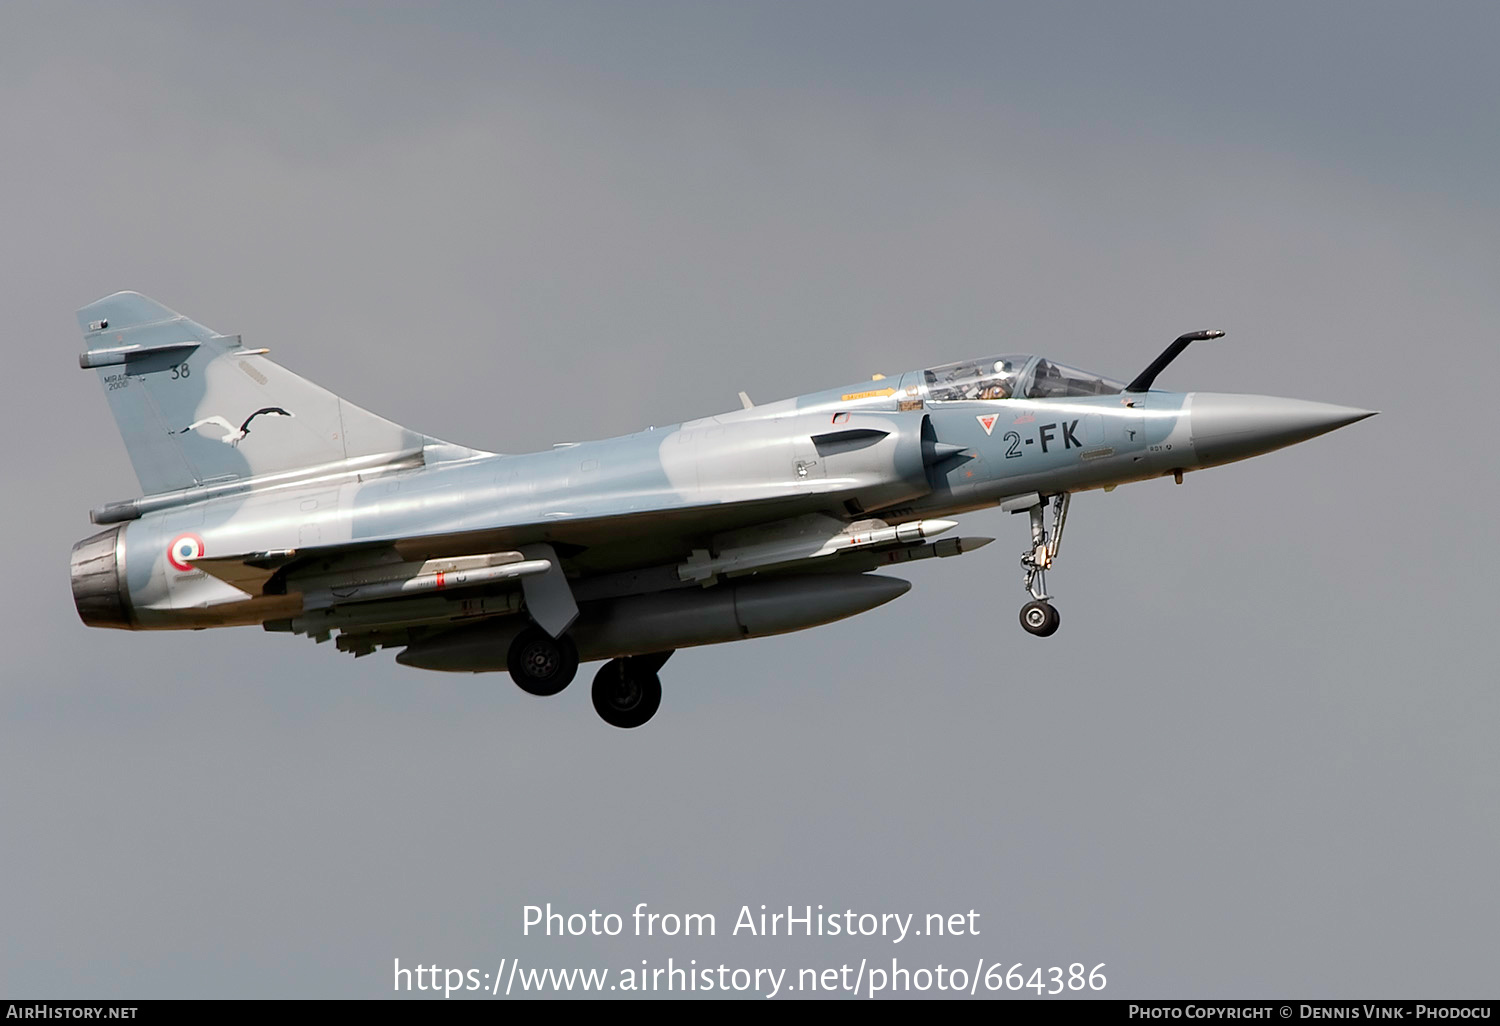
{"points": [[270, 501]]}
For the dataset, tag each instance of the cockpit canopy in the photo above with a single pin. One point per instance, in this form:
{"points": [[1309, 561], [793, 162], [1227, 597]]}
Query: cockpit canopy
{"points": [[1012, 377]]}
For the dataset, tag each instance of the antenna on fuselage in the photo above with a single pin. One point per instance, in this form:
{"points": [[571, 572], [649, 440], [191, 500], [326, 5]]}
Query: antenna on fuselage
{"points": [[1144, 379]]}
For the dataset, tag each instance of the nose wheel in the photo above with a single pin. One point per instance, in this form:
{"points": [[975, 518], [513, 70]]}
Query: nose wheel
{"points": [[1039, 616]]}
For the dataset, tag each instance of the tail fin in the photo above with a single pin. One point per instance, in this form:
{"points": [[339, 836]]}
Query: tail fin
{"points": [[197, 408]]}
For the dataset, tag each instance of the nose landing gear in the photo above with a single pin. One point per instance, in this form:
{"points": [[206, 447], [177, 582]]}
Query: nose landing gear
{"points": [[1039, 616]]}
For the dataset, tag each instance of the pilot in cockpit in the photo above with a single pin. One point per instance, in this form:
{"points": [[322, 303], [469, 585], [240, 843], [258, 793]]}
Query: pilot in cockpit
{"points": [[998, 387]]}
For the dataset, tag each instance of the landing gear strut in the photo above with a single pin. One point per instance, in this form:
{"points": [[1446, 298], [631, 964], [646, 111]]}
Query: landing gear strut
{"points": [[541, 664], [1038, 616], [627, 692]]}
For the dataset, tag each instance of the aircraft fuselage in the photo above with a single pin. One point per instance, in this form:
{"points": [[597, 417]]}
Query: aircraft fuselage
{"points": [[272, 501], [765, 455]]}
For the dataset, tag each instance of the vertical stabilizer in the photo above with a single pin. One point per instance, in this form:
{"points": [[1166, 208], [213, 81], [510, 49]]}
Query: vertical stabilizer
{"points": [[197, 408]]}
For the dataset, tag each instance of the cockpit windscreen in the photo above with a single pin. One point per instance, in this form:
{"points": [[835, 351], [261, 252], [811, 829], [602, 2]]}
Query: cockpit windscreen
{"points": [[995, 377], [1010, 377]]}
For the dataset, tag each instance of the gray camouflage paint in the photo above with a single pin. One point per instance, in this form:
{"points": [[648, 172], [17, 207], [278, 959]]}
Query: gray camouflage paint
{"points": [[850, 453]]}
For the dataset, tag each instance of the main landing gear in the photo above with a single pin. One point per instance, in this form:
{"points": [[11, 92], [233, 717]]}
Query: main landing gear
{"points": [[541, 664], [627, 692], [1039, 616]]}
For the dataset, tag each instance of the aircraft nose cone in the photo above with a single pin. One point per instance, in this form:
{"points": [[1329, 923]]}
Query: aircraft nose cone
{"points": [[1233, 427]]}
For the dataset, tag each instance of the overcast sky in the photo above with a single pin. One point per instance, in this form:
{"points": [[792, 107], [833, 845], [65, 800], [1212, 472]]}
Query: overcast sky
{"points": [[1259, 757]]}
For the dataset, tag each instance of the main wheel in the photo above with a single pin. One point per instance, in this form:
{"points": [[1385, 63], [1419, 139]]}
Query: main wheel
{"points": [[541, 664], [625, 695], [1040, 618]]}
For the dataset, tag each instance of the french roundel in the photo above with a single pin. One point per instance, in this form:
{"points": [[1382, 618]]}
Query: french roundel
{"points": [[184, 549]]}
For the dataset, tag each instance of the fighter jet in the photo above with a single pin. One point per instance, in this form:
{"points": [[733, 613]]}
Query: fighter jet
{"points": [[328, 521]]}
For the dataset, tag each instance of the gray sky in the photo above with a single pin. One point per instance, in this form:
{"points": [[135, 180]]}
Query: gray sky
{"points": [[1257, 760]]}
